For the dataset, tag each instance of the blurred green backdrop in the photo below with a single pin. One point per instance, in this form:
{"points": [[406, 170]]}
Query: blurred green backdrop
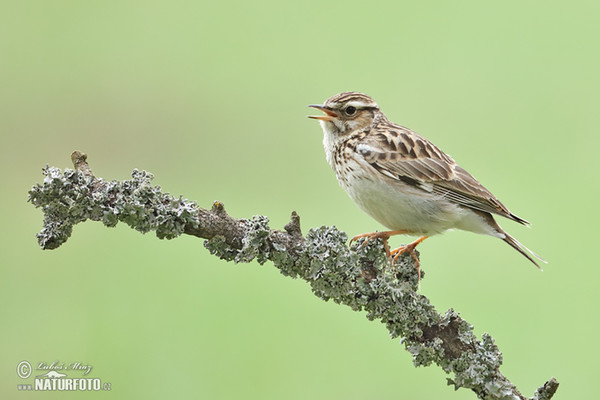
{"points": [[211, 97]]}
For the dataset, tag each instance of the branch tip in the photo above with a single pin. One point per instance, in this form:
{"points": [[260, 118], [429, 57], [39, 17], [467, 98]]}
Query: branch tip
{"points": [[218, 208], [547, 390], [293, 227], [79, 160]]}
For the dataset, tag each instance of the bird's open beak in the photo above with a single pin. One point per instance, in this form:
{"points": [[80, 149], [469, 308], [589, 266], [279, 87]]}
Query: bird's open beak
{"points": [[330, 114]]}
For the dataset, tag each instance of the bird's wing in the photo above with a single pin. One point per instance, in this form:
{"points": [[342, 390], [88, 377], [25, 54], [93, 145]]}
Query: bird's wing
{"points": [[401, 154]]}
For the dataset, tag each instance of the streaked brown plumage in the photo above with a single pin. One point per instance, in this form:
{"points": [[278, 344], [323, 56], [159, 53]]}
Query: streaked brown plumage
{"points": [[402, 179]]}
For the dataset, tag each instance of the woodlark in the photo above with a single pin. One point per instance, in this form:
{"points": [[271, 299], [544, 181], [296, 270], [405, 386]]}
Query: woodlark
{"points": [[404, 181]]}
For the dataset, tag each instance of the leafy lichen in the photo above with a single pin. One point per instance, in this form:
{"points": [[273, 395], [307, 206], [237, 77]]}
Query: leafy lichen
{"points": [[478, 369], [217, 246], [66, 200], [254, 243], [285, 260]]}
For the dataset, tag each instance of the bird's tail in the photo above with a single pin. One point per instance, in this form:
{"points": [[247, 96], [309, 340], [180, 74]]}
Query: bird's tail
{"points": [[523, 250]]}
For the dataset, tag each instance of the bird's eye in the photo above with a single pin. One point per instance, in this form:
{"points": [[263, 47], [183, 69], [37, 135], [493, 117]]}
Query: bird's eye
{"points": [[350, 110]]}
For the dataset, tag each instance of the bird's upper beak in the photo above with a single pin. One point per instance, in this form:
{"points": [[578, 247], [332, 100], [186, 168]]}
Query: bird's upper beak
{"points": [[330, 114]]}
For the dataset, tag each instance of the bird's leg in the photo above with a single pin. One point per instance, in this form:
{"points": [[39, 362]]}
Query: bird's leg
{"points": [[411, 249], [384, 236]]}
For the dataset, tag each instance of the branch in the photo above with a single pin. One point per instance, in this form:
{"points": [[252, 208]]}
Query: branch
{"points": [[360, 277]]}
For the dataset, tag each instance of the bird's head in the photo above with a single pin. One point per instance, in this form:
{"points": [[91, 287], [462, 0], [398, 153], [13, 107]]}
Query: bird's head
{"points": [[346, 113]]}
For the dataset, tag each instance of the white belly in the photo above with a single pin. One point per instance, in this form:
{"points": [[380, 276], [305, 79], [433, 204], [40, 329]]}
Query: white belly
{"points": [[400, 206]]}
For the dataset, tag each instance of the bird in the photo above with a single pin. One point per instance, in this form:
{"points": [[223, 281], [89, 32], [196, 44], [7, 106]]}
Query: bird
{"points": [[404, 181]]}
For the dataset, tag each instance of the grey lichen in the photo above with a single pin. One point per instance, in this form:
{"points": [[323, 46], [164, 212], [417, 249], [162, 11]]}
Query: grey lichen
{"points": [[477, 369], [360, 277], [255, 245], [284, 261], [218, 246], [425, 354], [70, 197]]}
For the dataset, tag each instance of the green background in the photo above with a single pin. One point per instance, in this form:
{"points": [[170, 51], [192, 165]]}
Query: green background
{"points": [[211, 97]]}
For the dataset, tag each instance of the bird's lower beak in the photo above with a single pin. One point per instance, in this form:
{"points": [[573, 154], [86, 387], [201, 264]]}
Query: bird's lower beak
{"points": [[330, 114]]}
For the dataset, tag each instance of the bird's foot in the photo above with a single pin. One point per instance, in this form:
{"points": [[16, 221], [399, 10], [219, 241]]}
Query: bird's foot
{"points": [[384, 236], [394, 254]]}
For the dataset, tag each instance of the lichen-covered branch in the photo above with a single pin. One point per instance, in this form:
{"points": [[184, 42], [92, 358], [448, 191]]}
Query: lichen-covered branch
{"points": [[360, 277]]}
